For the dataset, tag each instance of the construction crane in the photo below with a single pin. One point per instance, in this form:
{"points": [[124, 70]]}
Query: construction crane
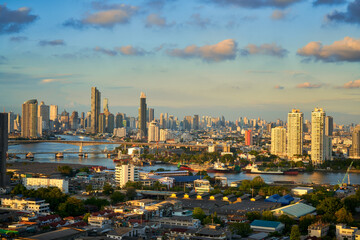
{"points": [[342, 183]]}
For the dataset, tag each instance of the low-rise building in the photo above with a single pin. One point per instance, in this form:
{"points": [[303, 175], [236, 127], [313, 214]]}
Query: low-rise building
{"points": [[318, 230], [99, 221], [266, 226], [343, 232], [36, 183], [38, 206], [296, 210], [182, 221], [299, 191]]}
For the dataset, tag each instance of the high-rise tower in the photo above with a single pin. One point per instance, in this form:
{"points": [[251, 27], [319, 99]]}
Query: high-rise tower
{"points": [[95, 109], [142, 115], [318, 136], [355, 148], [278, 141], [3, 147], [295, 133], [29, 119]]}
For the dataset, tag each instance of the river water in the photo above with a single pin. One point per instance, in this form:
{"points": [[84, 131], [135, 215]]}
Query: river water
{"points": [[101, 159]]}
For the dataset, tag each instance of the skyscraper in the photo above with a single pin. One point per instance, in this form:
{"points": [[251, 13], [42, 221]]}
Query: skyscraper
{"points": [[317, 136], [151, 114], [142, 115], [106, 105], [102, 123], [53, 112], [3, 147], [44, 116], [95, 109], [11, 119], [278, 141], [29, 119], [119, 120], [295, 133], [248, 138], [195, 123], [329, 126], [110, 119], [154, 132], [355, 148]]}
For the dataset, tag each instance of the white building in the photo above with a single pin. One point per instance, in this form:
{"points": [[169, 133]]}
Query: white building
{"points": [[299, 191], [44, 116], [99, 221], [343, 232], [120, 132], [278, 141], [165, 134], [153, 132], [125, 173], [295, 133], [53, 112], [168, 181], [318, 136], [36, 183], [318, 230], [28, 204]]}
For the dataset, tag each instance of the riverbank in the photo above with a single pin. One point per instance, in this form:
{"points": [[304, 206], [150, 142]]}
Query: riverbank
{"points": [[40, 168]]}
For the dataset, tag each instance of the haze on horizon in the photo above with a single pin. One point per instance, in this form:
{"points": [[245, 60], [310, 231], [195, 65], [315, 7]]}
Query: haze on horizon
{"points": [[209, 57]]}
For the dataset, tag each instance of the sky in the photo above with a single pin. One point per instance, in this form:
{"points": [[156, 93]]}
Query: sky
{"points": [[236, 58]]}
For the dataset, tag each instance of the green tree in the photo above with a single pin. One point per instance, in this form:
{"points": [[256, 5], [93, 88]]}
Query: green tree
{"points": [[251, 216], [89, 188], [268, 215], [86, 217], [108, 189], [242, 229], [305, 222], [351, 203], [65, 170], [71, 207], [98, 202], [117, 197], [19, 189], [288, 221], [198, 213], [343, 216], [329, 205], [131, 193], [295, 233]]}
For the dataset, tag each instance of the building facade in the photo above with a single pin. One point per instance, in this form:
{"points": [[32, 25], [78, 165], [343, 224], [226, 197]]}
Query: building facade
{"points": [[142, 116], [36, 183], [95, 109], [3, 147], [278, 141], [29, 123], [125, 173], [318, 136], [355, 148], [248, 138], [295, 133], [154, 132]]}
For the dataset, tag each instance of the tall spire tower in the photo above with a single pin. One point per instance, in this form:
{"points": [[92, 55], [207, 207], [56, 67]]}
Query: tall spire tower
{"points": [[142, 115]]}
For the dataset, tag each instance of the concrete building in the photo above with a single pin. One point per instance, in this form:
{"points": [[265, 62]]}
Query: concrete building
{"points": [[165, 134], [44, 115], [266, 226], [295, 133], [142, 116], [355, 148], [278, 141], [110, 120], [26, 204], [36, 183], [119, 132], [318, 136], [151, 115], [3, 147], [195, 123], [299, 191], [74, 121], [329, 126], [120, 117], [343, 232], [29, 119], [53, 112], [11, 120], [318, 230], [95, 109], [102, 123], [125, 173], [248, 138], [154, 132]]}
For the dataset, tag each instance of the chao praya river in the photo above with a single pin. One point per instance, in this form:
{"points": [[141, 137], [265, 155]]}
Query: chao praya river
{"points": [[102, 160]]}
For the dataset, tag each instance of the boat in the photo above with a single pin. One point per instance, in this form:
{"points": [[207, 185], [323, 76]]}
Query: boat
{"points": [[184, 167], [29, 155], [219, 167], [254, 169], [86, 155], [59, 155], [291, 171], [81, 154]]}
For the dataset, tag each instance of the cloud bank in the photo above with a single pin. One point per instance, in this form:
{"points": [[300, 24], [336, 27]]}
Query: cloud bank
{"points": [[347, 50], [257, 3], [224, 50], [352, 84], [265, 49], [57, 42], [351, 15], [308, 85], [13, 21]]}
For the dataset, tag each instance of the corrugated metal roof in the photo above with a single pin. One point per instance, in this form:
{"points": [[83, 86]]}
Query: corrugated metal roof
{"points": [[297, 210], [264, 223]]}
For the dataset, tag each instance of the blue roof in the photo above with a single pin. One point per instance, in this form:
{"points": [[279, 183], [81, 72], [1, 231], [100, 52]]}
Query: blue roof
{"points": [[273, 198], [264, 223], [186, 178]]}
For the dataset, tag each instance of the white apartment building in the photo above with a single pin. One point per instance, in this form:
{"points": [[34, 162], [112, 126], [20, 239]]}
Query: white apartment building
{"points": [[36, 183], [99, 221], [295, 133], [343, 232], [278, 141], [28, 204], [318, 136], [153, 132], [165, 134], [125, 173], [120, 132]]}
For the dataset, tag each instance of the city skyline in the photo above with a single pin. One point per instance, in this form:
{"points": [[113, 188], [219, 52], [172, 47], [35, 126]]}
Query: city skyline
{"points": [[233, 58]]}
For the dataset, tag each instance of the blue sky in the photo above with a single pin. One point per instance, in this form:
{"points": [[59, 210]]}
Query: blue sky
{"points": [[255, 58]]}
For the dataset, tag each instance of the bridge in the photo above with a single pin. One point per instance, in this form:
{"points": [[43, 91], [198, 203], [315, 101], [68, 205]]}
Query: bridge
{"points": [[82, 144]]}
